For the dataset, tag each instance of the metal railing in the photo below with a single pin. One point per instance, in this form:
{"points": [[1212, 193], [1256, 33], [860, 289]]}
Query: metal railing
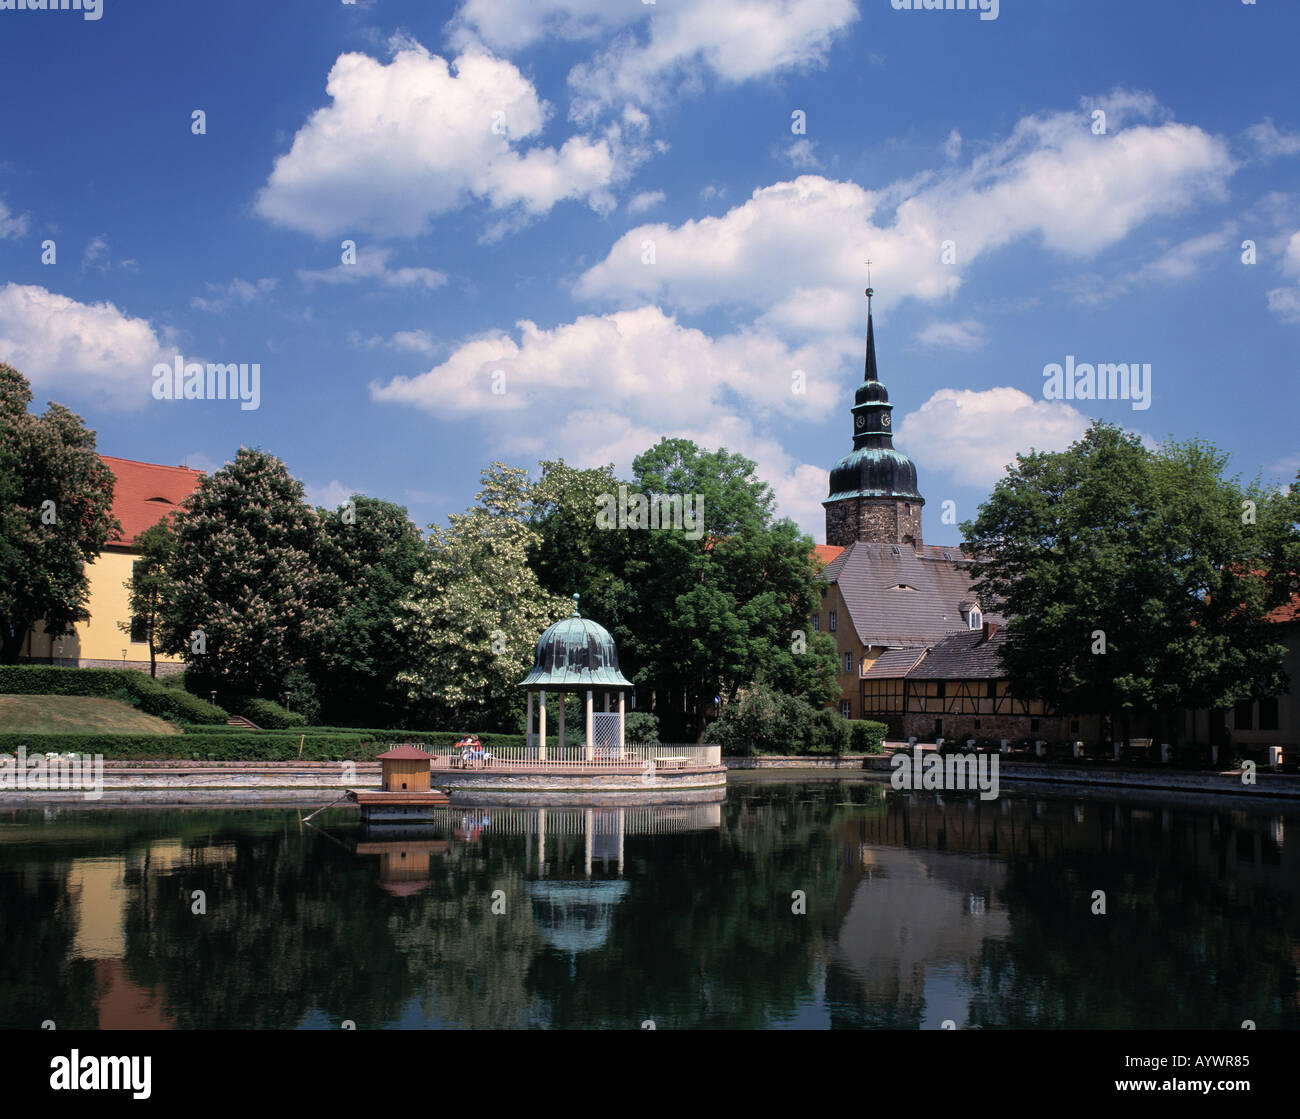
{"points": [[632, 757]]}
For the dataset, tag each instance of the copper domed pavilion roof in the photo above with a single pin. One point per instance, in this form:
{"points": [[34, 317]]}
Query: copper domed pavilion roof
{"points": [[576, 653]]}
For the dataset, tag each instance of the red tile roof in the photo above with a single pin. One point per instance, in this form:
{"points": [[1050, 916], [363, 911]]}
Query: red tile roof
{"points": [[405, 753], [145, 492], [827, 552], [1287, 612]]}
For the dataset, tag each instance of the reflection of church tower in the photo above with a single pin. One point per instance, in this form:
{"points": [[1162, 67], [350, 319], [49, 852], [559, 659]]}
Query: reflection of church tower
{"points": [[873, 490]]}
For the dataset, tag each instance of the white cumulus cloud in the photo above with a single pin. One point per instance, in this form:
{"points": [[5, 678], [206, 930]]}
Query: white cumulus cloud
{"points": [[404, 142], [637, 374], [91, 350], [969, 437], [801, 244]]}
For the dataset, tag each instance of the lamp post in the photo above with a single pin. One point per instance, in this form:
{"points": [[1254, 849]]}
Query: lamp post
{"points": [[123, 658], [213, 694]]}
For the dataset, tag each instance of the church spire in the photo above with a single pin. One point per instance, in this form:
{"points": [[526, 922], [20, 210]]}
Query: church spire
{"points": [[870, 369]]}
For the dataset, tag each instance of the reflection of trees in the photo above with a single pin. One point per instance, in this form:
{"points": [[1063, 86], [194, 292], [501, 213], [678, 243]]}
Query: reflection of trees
{"points": [[293, 924], [706, 936], [299, 927], [1174, 950], [39, 977]]}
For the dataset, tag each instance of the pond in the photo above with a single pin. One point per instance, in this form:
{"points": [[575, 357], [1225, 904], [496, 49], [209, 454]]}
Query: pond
{"points": [[807, 903]]}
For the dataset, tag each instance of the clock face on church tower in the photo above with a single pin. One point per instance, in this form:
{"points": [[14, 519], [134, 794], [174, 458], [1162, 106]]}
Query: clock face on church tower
{"points": [[861, 421], [884, 419]]}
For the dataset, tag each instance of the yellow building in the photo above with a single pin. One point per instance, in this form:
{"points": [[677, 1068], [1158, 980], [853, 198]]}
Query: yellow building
{"points": [[143, 493]]}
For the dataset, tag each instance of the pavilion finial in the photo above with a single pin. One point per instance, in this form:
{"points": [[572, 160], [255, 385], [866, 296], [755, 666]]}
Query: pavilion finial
{"points": [[575, 607]]}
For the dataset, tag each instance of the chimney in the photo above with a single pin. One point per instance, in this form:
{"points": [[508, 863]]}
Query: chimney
{"points": [[990, 628]]}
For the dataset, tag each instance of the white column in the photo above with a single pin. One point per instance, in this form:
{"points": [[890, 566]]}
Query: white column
{"points": [[562, 705], [591, 753], [528, 724], [622, 742], [541, 730]]}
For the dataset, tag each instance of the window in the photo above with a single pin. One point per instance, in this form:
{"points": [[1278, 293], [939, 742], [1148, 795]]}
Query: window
{"points": [[1243, 715], [846, 709], [943, 687], [975, 619], [938, 728], [831, 627], [848, 663], [993, 689], [139, 631], [817, 623], [1033, 724], [977, 724], [1268, 713], [1074, 726]]}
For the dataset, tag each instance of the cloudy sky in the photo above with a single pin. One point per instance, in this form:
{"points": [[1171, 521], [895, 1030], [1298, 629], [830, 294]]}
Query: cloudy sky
{"points": [[578, 225]]}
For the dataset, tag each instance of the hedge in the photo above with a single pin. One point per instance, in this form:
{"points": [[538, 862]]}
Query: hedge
{"points": [[266, 713], [251, 746], [132, 687], [867, 736], [239, 744]]}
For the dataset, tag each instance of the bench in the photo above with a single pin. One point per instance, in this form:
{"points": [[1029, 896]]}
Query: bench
{"points": [[674, 761]]}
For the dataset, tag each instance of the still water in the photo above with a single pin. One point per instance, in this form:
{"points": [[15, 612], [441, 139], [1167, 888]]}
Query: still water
{"points": [[795, 904]]}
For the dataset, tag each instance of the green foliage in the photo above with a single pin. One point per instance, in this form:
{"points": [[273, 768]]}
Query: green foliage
{"points": [[473, 615], [238, 744], [866, 736], [1151, 550], [641, 726], [375, 553], [150, 589], [266, 714], [246, 575], [135, 688], [56, 499], [201, 746], [764, 721]]}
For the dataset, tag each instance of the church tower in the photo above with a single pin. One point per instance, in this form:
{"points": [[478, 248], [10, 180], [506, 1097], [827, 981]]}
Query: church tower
{"points": [[873, 494]]}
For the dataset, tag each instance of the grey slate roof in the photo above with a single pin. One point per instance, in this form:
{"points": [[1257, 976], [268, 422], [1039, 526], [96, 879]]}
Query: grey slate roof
{"points": [[869, 576], [893, 664], [963, 656]]}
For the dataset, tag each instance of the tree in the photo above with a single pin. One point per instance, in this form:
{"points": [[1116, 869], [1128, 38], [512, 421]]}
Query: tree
{"points": [[150, 587], [474, 615], [375, 552], [251, 602], [1132, 581], [56, 498], [718, 612]]}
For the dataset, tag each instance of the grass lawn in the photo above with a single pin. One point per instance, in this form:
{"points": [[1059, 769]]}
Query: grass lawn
{"points": [[73, 714]]}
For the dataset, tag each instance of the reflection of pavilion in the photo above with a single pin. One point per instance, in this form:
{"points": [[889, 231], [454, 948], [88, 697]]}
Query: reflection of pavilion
{"points": [[404, 863]]}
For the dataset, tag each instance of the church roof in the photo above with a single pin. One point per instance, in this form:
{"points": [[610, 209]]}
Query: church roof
{"points": [[899, 597]]}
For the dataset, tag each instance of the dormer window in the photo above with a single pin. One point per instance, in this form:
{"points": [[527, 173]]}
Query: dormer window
{"points": [[974, 619]]}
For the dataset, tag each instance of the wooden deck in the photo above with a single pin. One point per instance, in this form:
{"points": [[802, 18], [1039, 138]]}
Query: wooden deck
{"points": [[379, 798]]}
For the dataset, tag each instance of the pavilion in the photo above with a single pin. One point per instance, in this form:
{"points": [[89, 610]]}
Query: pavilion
{"points": [[578, 655]]}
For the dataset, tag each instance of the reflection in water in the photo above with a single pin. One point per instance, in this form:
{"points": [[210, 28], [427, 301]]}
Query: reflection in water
{"points": [[919, 908]]}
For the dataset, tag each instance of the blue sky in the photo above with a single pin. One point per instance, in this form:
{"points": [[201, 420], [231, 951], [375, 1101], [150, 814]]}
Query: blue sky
{"points": [[507, 168]]}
